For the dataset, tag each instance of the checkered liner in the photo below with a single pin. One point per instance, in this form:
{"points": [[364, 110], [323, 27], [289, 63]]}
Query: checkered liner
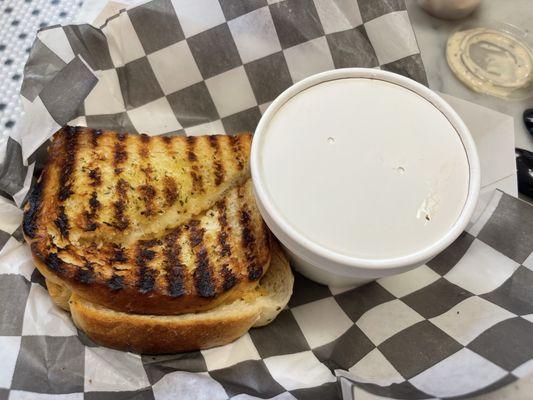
{"points": [[465, 317], [213, 66], [194, 67]]}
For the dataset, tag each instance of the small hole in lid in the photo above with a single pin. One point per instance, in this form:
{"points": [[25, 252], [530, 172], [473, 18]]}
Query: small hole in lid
{"points": [[331, 139]]}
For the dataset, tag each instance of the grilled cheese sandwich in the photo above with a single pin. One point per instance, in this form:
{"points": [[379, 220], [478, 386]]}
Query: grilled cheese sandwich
{"points": [[148, 225]]}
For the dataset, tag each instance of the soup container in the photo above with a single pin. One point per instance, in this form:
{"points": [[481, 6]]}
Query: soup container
{"points": [[362, 173]]}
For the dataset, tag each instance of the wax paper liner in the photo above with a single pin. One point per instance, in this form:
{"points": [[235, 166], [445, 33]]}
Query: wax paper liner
{"points": [[197, 67]]}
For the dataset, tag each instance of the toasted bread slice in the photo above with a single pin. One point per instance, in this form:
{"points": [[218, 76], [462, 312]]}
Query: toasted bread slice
{"points": [[101, 186], [156, 334], [148, 225]]}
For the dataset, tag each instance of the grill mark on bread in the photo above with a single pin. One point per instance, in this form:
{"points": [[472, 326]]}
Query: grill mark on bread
{"points": [[237, 150], [121, 221], [55, 263], [147, 275], [85, 274], [95, 134], [197, 182], [120, 154], [70, 150], [203, 274], [94, 206], [196, 176], [219, 172], [62, 222], [144, 150], [115, 283], [196, 236], [93, 202], [96, 177], [147, 191], [248, 241], [118, 254], [147, 195], [222, 237], [171, 190], [31, 214], [121, 187], [229, 278], [148, 171], [173, 265], [191, 144], [218, 167], [247, 235]]}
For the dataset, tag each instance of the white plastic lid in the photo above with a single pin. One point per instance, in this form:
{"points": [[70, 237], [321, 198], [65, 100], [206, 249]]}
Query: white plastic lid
{"points": [[364, 168]]}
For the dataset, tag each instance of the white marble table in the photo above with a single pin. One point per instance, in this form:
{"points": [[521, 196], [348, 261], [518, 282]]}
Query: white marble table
{"points": [[432, 33]]}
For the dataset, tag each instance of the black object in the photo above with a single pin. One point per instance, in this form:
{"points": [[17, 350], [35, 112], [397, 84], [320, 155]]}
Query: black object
{"points": [[524, 170], [528, 120]]}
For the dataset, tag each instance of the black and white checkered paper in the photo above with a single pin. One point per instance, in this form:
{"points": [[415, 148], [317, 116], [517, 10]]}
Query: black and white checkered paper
{"points": [[459, 325], [194, 67]]}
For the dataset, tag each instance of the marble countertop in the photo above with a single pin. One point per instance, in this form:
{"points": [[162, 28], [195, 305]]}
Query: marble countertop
{"points": [[432, 34]]}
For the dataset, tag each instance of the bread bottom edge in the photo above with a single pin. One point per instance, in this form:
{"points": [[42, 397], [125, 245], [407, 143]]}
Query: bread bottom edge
{"points": [[159, 334]]}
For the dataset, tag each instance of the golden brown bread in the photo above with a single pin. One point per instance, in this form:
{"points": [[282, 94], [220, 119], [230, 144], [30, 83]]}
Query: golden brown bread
{"points": [[156, 334], [121, 187], [148, 225]]}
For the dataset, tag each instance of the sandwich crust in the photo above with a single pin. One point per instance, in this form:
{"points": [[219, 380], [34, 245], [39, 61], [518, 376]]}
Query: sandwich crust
{"points": [[148, 225], [162, 334], [156, 334]]}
